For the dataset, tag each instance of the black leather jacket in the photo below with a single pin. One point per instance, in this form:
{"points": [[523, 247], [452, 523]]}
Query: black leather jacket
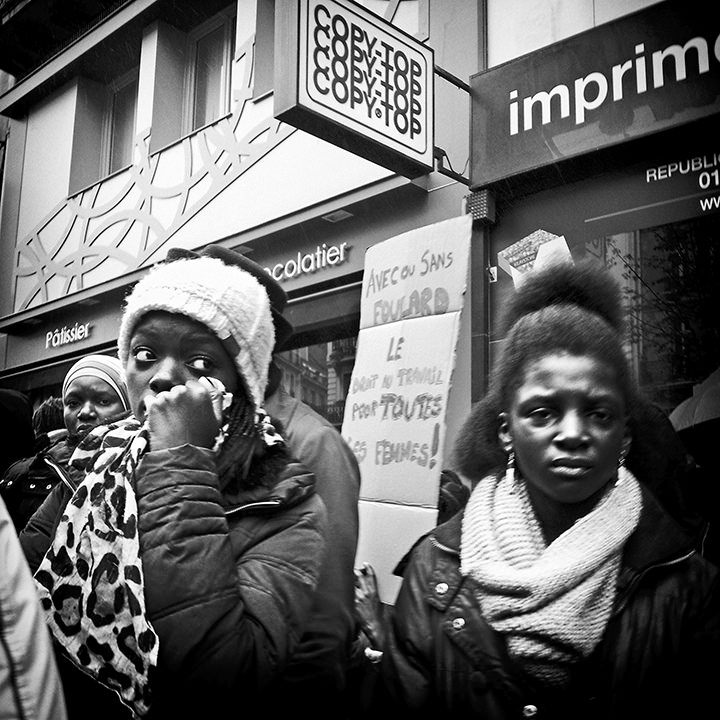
{"points": [[656, 658]]}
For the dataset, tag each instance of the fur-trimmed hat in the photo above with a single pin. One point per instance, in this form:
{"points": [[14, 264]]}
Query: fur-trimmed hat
{"points": [[230, 301]]}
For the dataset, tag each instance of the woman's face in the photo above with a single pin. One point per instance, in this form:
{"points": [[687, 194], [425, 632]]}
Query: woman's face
{"points": [[167, 349], [567, 425], [87, 403]]}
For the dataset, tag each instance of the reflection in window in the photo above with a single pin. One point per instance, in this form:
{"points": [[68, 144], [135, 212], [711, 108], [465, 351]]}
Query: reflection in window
{"points": [[319, 375], [209, 72], [669, 276], [120, 121]]}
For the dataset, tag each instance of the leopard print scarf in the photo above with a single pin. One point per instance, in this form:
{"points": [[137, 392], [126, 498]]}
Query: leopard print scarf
{"points": [[91, 579]]}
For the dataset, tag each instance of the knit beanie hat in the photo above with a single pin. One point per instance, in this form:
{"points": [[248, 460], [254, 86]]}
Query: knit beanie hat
{"points": [[276, 293], [230, 301], [104, 367]]}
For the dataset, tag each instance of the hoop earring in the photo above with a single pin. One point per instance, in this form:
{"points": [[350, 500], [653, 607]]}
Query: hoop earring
{"points": [[621, 459], [510, 467]]}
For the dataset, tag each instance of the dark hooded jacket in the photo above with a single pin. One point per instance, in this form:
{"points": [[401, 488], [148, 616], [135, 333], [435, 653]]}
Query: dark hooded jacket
{"points": [[317, 673], [443, 659]]}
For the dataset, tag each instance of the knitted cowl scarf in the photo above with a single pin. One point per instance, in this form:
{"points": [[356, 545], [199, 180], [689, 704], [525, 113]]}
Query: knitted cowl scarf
{"points": [[551, 602]]}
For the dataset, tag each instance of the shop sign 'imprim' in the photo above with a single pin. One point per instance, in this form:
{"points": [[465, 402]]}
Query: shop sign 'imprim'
{"points": [[347, 76], [646, 72]]}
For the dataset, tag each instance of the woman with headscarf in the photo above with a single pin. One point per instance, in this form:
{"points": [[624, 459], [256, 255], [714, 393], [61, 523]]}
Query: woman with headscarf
{"points": [[180, 576], [563, 589], [93, 393]]}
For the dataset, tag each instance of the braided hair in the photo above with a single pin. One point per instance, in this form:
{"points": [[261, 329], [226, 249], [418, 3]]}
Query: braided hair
{"points": [[238, 463]]}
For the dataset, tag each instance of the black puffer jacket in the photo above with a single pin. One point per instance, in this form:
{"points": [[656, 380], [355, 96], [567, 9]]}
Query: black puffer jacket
{"points": [[29, 481], [656, 657]]}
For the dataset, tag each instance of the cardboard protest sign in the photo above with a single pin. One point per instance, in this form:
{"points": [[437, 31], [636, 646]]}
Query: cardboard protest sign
{"points": [[413, 292], [395, 410], [420, 273]]}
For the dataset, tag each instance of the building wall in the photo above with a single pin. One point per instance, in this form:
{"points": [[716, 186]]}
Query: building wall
{"points": [[47, 156], [522, 26], [241, 172], [71, 237]]}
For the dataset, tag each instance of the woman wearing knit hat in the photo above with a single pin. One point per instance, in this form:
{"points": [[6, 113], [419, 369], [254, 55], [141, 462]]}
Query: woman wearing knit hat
{"points": [[191, 550], [317, 674], [93, 393], [563, 589]]}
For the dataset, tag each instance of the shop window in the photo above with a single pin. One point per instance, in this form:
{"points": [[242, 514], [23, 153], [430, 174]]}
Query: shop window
{"points": [[104, 127], [669, 278], [119, 126], [319, 375], [264, 48], [210, 53]]}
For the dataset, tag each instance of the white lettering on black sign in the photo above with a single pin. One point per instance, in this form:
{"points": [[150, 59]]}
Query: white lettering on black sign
{"points": [[310, 262], [635, 76], [705, 167]]}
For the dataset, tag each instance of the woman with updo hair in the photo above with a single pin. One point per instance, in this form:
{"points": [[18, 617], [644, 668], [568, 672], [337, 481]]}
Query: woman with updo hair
{"points": [[564, 588]]}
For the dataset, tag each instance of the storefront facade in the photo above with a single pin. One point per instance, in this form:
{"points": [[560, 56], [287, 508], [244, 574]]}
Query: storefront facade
{"points": [[157, 129], [608, 140], [603, 136]]}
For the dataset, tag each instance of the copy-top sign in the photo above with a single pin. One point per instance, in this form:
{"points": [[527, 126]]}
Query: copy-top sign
{"points": [[346, 75]]}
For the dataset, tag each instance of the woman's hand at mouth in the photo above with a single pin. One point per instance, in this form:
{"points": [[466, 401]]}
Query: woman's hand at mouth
{"points": [[182, 415]]}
